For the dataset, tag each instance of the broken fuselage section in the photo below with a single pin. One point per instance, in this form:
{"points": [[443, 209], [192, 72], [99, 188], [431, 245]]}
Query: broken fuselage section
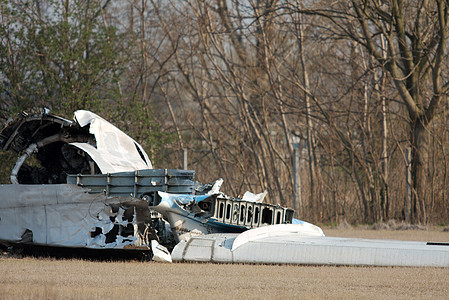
{"points": [[40, 208], [67, 215]]}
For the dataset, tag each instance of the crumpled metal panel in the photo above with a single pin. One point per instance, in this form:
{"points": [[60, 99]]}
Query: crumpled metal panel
{"points": [[115, 151], [67, 215]]}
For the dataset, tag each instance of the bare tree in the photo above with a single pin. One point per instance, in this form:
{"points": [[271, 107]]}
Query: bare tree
{"points": [[414, 35]]}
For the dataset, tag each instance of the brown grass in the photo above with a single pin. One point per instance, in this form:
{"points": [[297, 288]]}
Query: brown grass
{"points": [[434, 234], [31, 278]]}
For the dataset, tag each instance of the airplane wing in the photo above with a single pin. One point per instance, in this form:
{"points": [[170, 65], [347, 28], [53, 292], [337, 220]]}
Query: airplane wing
{"points": [[279, 244]]}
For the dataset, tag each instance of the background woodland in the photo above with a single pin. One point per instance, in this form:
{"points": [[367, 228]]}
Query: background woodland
{"points": [[351, 96]]}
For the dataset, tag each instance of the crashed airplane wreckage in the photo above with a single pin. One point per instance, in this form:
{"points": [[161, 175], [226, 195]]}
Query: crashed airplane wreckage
{"points": [[94, 188]]}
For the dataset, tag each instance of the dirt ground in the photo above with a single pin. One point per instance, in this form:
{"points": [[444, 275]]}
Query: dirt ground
{"points": [[31, 278]]}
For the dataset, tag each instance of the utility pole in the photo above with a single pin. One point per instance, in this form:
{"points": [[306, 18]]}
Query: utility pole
{"points": [[296, 180], [184, 159]]}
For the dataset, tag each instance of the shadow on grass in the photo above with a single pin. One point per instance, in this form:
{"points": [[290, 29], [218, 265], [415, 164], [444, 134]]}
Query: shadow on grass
{"points": [[37, 251]]}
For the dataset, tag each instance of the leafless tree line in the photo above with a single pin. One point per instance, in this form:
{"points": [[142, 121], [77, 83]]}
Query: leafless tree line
{"points": [[353, 92]]}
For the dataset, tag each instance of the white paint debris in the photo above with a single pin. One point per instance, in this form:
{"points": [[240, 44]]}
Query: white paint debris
{"points": [[251, 197], [160, 253], [216, 187], [119, 217]]}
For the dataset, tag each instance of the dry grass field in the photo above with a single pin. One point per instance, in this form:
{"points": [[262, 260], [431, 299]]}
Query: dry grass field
{"points": [[32, 278]]}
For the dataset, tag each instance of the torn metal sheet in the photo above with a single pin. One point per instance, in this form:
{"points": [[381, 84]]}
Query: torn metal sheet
{"points": [[67, 215], [114, 151]]}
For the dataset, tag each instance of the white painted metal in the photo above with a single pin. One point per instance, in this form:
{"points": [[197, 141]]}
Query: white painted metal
{"points": [[160, 253], [279, 230], [114, 151], [298, 249]]}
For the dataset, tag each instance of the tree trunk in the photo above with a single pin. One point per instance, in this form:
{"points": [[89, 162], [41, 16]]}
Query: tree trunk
{"points": [[420, 153]]}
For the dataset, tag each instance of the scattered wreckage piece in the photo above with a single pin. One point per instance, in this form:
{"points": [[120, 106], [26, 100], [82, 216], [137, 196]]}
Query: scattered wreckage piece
{"points": [[160, 253], [191, 215], [285, 244]]}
